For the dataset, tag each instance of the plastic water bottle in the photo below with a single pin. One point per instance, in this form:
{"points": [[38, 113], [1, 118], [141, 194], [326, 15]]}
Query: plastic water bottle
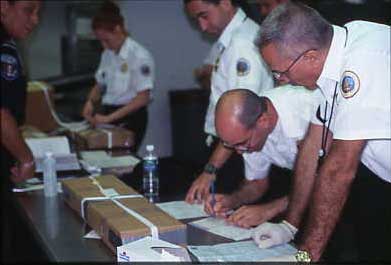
{"points": [[49, 175], [150, 176]]}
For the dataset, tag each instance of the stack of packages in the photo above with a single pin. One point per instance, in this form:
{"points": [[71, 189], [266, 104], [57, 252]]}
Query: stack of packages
{"points": [[118, 213]]}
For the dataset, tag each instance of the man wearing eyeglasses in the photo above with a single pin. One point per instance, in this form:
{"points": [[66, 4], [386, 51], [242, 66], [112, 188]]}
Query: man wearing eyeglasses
{"points": [[351, 67], [238, 64], [267, 131]]}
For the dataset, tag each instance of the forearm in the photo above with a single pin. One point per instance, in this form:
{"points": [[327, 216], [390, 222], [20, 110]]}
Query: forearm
{"points": [[12, 139], [304, 177], [329, 197], [94, 94], [142, 99], [250, 191], [220, 155]]}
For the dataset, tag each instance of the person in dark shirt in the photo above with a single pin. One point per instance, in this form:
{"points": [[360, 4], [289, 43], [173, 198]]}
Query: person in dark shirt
{"points": [[18, 19]]}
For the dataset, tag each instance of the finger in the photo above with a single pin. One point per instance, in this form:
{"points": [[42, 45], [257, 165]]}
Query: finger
{"points": [[15, 171], [191, 195]]}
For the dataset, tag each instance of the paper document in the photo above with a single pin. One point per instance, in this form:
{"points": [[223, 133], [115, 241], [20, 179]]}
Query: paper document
{"points": [[59, 146], [182, 210], [100, 159], [151, 250], [245, 251], [222, 228], [92, 235]]}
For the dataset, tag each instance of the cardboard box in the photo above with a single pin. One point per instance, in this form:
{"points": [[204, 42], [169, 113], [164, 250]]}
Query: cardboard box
{"points": [[38, 113], [99, 138], [115, 225]]}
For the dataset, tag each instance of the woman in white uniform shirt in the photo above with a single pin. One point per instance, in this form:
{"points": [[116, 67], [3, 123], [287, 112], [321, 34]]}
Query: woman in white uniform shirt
{"points": [[124, 77]]}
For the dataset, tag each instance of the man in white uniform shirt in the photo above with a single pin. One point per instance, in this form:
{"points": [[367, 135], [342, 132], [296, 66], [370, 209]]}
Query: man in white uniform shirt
{"points": [[238, 65], [351, 66], [267, 130], [124, 78]]}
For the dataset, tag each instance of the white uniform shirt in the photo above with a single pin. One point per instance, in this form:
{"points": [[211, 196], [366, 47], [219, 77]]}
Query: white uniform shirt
{"points": [[238, 64], [294, 106], [125, 74], [358, 66], [212, 54]]}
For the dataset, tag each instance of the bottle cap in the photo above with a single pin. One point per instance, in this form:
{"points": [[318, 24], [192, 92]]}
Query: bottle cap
{"points": [[150, 148]]}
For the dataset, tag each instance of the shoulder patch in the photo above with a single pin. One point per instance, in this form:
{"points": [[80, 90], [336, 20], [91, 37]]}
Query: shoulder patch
{"points": [[242, 67], [9, 67], [350, 84], [145, 70]]}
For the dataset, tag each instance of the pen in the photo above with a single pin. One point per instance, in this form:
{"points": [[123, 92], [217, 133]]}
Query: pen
{"points": [[212, 190]]}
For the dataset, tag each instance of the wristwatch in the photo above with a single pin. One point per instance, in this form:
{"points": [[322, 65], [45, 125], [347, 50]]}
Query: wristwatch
{"points": [[210, 169], [303, 256]]}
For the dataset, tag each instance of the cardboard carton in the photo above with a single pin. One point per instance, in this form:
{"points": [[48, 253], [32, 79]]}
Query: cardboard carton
{"points": [[115, 225], [103, 138], [38, 111]]}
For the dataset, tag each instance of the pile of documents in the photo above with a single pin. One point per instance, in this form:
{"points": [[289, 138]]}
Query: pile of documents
{"points": [[59, 147]]}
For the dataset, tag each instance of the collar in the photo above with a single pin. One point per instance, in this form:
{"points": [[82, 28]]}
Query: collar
{"points": [[236, 21], [125, 49], [331, 69]]}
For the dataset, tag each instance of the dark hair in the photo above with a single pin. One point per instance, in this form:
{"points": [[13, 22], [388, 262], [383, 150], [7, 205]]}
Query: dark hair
{"points": [[253, 108], [108, 17], [214, 2]]}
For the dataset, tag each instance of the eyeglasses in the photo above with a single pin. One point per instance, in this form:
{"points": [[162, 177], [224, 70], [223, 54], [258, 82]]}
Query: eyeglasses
{"points": [[277, 74], [243, 146]]}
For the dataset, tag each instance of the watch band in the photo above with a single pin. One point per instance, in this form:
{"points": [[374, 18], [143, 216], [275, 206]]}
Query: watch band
{"points": [[210, 169], [303, 256]]}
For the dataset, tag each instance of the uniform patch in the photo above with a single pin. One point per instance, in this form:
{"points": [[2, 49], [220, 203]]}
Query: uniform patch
{"points": [[9, 67], [124, 67], [242, 67], [145, 70], [350, 84]]}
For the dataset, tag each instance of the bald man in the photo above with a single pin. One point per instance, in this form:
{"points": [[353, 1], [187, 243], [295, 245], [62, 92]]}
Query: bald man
{"points": [[266, 130]]}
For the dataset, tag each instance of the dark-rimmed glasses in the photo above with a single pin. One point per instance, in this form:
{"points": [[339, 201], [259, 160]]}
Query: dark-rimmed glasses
{"points": [[243, 146], [278, 74]]}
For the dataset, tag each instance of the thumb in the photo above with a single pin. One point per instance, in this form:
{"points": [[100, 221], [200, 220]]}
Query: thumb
{"points": [[266, 242]]}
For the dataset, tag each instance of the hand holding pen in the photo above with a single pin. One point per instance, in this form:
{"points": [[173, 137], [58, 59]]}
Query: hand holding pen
{"points": [[218, 205]]}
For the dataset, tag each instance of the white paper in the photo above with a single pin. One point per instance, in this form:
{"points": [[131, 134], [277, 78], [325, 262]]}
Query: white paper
{"points": [[55, 145], [100, 159], [25, 187], [149, 249], [222, 228], [245, 251], [182, 210], [92, 235], [59, 146]]}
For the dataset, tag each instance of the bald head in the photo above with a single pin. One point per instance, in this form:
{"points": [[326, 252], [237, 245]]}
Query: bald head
{"points": [[239, 107]]}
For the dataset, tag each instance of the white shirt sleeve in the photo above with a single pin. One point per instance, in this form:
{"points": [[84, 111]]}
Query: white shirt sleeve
{"points": [[246, 69], [143, 73], [363, 110]]}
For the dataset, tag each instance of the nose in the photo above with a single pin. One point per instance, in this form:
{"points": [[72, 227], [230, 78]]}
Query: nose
{"points": [[203, 24], [283, 80]]}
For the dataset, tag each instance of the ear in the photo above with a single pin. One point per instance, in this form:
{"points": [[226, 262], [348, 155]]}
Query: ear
{"points": [[226, 4]]}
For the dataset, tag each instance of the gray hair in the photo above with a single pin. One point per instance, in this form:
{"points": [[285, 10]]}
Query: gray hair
{"points": [[294, 28]]}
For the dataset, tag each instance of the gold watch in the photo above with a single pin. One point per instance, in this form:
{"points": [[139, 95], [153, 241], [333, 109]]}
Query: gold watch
{"points": [[303, 256]]}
